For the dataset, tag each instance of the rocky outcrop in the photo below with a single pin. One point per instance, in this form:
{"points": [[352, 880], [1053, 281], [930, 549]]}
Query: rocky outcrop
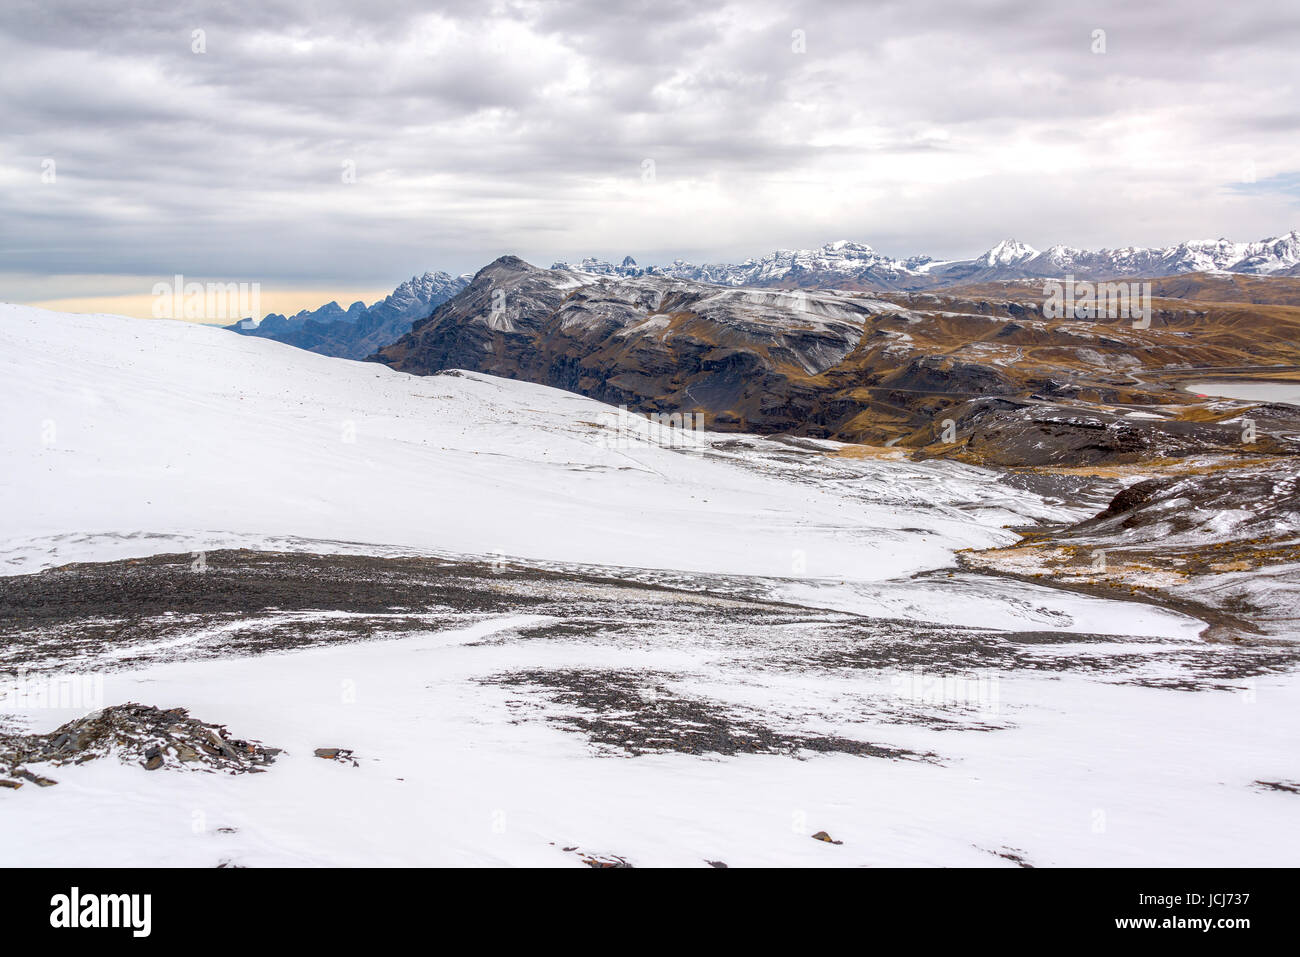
{"points": [[1029, 433], [139, 734]]}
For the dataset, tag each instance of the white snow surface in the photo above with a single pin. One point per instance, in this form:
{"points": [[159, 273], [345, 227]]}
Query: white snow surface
{"points": [[118, 426], [1088, 774], [126, 437]]}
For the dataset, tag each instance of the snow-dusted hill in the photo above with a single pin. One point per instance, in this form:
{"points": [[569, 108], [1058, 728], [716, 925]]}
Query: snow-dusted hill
{"points": [[673, 656], [123, 427]]}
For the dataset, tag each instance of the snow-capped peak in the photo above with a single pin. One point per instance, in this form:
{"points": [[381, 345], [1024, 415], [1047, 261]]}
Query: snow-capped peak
{"points": [[1008, 253], [847, 245], [848, 261]]}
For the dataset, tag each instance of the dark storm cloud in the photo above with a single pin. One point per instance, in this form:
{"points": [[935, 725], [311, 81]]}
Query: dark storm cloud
{"points": [[476, 129]]}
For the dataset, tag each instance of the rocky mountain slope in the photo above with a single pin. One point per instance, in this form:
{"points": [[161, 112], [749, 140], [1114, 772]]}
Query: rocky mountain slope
{"points": [[977, 373], [851, 265], [358, 331]]}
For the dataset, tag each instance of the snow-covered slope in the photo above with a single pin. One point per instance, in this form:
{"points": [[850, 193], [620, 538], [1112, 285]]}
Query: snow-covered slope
{"points": [[1063, 729], [128, 427]]}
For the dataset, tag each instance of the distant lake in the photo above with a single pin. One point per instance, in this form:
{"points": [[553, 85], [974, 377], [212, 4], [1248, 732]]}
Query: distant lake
{"points": [[1288, 392]]}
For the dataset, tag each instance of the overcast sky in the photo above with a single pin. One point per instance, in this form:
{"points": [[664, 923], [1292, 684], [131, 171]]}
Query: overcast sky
{"points": [[657, 129]]}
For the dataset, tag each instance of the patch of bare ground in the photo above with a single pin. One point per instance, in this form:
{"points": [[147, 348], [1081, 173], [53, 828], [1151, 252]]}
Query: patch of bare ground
{"points": [[638, 713]]}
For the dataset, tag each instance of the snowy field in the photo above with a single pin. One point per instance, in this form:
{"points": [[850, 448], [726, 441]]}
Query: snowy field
{"points": [[791, 612]]}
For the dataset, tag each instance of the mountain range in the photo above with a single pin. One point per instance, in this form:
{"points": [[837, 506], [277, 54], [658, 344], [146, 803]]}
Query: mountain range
{"points": [[851, 265], [358, 331]]}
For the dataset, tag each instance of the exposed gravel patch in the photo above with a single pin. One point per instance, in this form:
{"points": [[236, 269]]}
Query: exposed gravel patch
{"points": [[637, 713]]}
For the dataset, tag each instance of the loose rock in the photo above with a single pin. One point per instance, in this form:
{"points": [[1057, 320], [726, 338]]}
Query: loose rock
{"points": [[38, 780], [342, 755], [138, 734]]}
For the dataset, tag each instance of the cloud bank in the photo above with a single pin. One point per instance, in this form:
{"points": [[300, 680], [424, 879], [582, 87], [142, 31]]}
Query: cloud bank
{"points": [[313, 143]]}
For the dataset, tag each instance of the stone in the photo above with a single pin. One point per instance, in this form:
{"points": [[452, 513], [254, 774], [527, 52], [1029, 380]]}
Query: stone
{"points": [[40, 782], [342, 755]]}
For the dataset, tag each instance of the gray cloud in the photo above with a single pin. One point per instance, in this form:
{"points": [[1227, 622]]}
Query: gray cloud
{"points": [[523, 127]]}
